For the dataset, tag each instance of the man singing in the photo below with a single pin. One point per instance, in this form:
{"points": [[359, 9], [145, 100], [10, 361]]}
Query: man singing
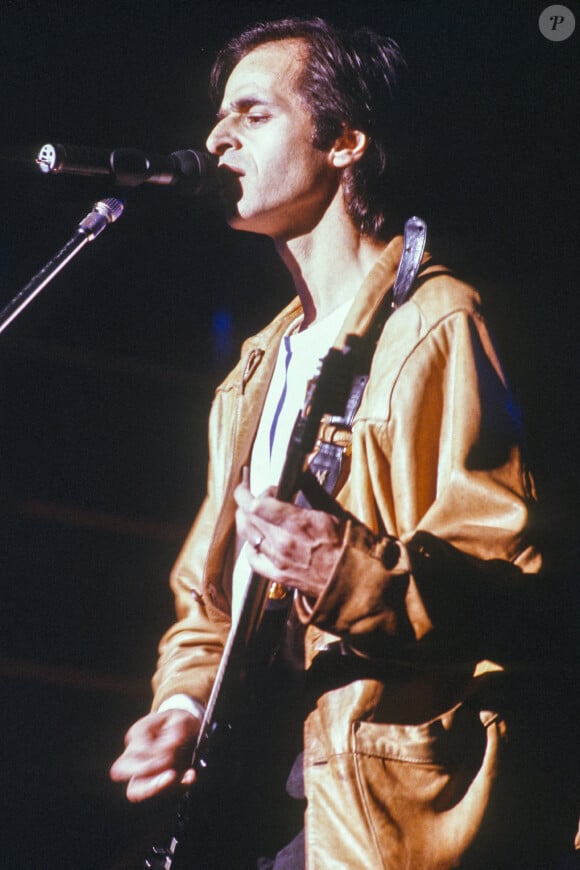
{"points": [[405, 608]]}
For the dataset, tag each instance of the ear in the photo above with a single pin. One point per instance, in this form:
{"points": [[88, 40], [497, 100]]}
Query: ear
{"points": [[348, 148]]}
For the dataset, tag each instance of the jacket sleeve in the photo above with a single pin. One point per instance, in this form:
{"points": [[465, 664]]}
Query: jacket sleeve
{"points": [[439, 559], [190, 651]]}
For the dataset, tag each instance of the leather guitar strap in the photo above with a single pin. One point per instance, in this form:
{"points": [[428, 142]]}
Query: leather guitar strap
{"points": [[327, 467]]}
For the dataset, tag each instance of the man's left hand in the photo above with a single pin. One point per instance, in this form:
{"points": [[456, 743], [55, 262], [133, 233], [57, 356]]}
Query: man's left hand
{"points": [[294, 546]]}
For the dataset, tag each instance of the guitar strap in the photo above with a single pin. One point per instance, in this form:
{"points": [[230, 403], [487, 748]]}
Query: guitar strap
{"points": [[328, 466]]}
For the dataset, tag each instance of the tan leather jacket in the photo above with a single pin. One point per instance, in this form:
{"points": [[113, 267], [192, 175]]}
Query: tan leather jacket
{"points": [[399, 771]]}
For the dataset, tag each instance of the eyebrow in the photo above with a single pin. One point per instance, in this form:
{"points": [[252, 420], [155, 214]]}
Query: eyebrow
{"points": [[243, 104]]}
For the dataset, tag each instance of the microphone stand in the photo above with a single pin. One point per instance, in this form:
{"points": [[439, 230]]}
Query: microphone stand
{"points": [[103, 213]]}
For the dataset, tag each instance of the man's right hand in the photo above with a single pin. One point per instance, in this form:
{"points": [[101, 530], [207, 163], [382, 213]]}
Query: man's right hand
{"points": [[158, 751]]}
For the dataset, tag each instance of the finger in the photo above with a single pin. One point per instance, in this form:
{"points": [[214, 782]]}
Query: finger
{"points": [[266, 508], [255, 504], [132, 765], [150, 760], [243, 496], [188, 777], [249, 527], [142, 788], [117, 772], [265, 566], [149, 728], [257, 540]]}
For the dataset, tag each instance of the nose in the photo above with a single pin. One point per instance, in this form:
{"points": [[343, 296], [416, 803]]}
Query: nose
{"points": [[221, 138]]}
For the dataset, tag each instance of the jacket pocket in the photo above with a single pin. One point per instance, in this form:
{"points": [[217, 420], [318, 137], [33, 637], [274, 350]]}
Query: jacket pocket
{"points": [[426, 788], [400, 797]]}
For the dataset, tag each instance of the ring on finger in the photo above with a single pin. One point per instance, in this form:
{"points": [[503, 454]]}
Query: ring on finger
{"points": [[258, 543]]}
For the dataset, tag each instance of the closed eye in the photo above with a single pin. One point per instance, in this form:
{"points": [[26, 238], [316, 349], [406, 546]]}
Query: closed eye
{"points": [[252, 109], [254, 119]]}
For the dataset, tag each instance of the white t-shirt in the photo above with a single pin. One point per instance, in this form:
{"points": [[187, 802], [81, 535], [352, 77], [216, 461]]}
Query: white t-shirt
{"points": [[298, 361]]}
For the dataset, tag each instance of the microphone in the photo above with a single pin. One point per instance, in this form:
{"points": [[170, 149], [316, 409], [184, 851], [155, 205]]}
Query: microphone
{"points": [[193, 171]]}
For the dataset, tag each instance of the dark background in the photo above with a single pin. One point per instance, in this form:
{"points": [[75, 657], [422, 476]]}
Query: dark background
{"points": [[105, 381]]}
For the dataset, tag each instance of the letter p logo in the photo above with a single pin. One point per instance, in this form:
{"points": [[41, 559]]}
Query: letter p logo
{"points": [[557, 23]]}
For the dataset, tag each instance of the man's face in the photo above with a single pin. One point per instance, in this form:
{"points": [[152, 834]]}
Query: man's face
{"points": [[282, 184]]}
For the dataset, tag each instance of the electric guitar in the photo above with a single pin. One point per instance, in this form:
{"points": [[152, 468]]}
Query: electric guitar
{"points": [[253, 638]]}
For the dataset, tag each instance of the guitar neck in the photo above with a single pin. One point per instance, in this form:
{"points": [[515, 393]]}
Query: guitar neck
{"points": [[326, 394]]}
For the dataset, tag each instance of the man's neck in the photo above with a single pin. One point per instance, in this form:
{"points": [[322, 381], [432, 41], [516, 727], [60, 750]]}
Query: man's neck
{"points": [[328, 264]]}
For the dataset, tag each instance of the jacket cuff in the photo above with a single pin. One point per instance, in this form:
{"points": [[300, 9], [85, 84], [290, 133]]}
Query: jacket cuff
{"points": [[372, 591]]}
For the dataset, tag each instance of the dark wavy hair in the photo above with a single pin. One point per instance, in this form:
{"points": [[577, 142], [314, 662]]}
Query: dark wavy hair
{"points": [[349, 79]]}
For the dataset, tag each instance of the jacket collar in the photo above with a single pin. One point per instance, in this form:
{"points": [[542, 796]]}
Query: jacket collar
{"points": [[372, 291]]}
